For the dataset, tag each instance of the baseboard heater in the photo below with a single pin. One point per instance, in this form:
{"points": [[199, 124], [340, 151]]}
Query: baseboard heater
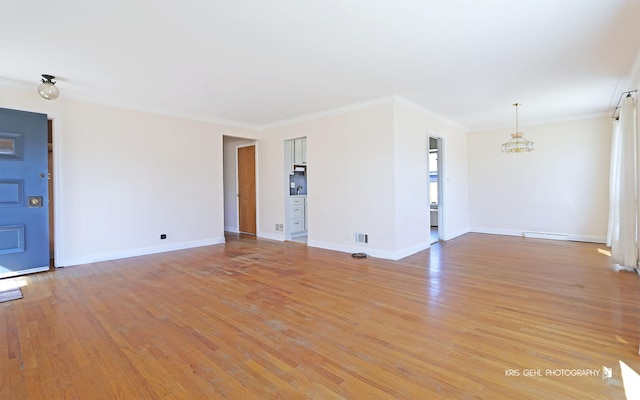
{"points": [[544, 235]]}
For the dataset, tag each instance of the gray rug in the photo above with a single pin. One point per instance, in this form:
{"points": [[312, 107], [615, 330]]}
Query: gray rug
{"points": [[9, 290], [11, 294]]}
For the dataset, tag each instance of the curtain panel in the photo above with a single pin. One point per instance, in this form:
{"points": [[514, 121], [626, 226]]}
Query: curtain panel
{"points": [[622, 234]]}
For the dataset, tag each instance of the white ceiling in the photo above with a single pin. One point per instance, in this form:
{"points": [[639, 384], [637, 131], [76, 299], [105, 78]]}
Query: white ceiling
{"points": [[258, 62]]}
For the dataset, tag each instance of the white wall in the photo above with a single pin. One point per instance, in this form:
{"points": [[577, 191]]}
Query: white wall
{"points": [[123, 177], [349, 175], [412, 130], [366, 174], [560, 188]]}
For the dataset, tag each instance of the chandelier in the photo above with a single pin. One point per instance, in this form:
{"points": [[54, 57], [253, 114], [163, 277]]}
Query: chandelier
{"points": [[518, 143]]}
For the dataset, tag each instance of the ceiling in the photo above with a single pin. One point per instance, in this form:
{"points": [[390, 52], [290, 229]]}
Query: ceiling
{"points": [[258, 62]]}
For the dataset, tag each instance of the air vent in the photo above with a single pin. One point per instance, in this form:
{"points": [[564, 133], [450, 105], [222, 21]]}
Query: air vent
{"points": [[361, 238], [279, 227]]}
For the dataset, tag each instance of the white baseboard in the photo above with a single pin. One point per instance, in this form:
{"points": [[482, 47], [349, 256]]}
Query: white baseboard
{"points": [[400, 254], [232, 229], [377, 253], [587, 238], [341, 247], [545, 235], [493, 231], [93, 258], [541, 235], [455, 234], [273, 236]]}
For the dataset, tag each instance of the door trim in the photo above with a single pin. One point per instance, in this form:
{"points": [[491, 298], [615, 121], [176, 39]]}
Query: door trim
{"points": [[57, 172], [442, 190], [249, 144]]}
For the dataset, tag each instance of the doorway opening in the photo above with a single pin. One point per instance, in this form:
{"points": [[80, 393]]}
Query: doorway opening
{"points": [[436, 204], [296, 191], [239, 215]]}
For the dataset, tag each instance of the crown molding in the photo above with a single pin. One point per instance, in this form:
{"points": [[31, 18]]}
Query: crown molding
{"points": [[427, 112], [170, 113], [389, 99], [17, 84], [630, 82], [331, 112], [634, 80], [577, 117], [73, 95]]}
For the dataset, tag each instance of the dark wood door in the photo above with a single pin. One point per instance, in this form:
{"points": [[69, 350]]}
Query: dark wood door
{"points": [[247, 189]]}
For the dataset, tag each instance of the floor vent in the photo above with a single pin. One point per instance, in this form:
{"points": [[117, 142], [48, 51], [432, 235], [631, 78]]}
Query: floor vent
{"points": [[361, 238]]}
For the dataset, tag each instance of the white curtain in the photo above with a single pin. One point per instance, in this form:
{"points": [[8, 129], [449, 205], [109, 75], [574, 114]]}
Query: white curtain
{"points": [[623, 192]]}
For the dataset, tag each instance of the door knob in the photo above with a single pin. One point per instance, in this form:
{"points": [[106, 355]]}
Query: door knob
{"points": [[34, 201]]}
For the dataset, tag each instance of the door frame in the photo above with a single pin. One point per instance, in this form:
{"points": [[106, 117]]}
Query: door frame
{"points": [[442, 220], [57, 173], [254, 143]]}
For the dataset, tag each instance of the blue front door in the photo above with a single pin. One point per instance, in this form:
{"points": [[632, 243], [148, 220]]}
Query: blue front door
{"points": [[24, 212]]}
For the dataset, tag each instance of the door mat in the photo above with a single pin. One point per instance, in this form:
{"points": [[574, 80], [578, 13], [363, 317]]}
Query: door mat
{"points": [[11, 294], [9, 290]]}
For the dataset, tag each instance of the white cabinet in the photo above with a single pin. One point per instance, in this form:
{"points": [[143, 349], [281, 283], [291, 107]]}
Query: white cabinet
{"points": [[297, 215], [297, 226], [299, 151], [297, 211]]}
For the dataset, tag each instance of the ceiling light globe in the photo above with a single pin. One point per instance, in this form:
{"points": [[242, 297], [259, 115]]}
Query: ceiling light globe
{"points": [[48, 90]]}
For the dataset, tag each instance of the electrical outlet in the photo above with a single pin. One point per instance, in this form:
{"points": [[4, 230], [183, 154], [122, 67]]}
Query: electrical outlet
{"points": [[163, 236], [361, 238]]}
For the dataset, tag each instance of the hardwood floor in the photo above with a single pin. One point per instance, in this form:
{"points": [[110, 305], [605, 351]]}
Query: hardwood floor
{"points": [[257, 319]]}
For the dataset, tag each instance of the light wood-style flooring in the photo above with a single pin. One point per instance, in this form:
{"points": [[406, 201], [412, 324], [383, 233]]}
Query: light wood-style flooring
{"points": [[258, 319]]}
